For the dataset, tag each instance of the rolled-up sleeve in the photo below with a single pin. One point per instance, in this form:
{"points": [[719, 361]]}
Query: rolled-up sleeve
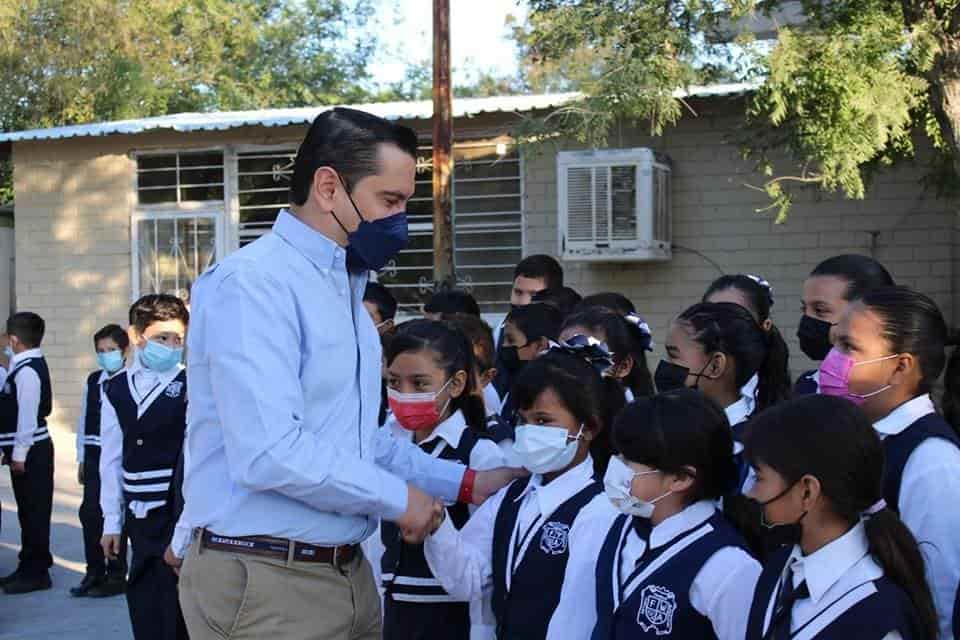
{"points": [[253, 336]]}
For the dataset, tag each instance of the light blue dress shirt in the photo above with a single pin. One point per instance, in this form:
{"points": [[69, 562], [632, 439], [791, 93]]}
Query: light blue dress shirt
{"points": [[284, 394]]}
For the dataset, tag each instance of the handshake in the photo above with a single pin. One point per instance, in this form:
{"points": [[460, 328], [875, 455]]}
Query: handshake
{"points": [[425, 514]]}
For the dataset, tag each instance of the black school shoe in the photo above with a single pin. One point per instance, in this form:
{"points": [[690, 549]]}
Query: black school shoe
{"points": [[112, 585], [83, 589], [10, 577], [25, 584]]}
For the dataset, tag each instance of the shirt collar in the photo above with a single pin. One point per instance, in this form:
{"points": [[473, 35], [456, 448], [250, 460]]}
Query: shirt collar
{"points": [[748, 391], [449, 430], [737, 412], [551, 496], [824, 567], [136, 368], [904, 416], [23, 356], [690, 518], [323, 252]]}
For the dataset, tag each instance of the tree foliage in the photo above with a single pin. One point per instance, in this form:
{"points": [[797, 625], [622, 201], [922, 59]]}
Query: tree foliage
{"points": [[842, 93]]}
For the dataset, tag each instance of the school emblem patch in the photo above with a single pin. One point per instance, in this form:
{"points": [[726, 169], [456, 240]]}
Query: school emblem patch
{"points": [[553, 539], [657, 606], [174, 389]]}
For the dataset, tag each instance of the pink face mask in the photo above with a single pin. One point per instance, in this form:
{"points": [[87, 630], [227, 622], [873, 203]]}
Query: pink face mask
{"points": [[417, 411], [835, 376]]}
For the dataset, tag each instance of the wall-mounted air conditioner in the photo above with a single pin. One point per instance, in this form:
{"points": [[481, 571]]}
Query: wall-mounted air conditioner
{"points": [[614, 205]]}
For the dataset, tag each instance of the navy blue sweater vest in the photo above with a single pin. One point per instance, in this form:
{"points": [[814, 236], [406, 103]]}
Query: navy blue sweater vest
{"points": [[406, 576], [91, 420], [153, 441], [897, 450], [525, 610], [806, 384], [658, 601], [10, 408], [883, 608]]}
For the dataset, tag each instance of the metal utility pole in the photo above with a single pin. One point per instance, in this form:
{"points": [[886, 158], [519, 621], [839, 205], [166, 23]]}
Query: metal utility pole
{"points": [[444, 271]]}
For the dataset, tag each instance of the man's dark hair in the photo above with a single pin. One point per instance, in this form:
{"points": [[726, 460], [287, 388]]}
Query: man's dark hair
{"points": [[452, 301], [348, 141], [541, 267], [28, 327], [380, 296], [114, 332], [157, 307], [563, 298]]}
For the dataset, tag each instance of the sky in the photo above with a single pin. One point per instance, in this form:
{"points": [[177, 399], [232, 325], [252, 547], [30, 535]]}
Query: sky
{"points": [[478, 37]]}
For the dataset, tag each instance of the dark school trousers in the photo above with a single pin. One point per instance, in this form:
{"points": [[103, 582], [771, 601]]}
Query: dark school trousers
{"points": [[91, 519], [152, 585], [425, 620], [33, 491]]}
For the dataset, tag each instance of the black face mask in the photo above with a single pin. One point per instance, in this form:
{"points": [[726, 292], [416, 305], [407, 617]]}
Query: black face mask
{"points": [[814, 336], [510, 358], [670, 376], [779, 535]]}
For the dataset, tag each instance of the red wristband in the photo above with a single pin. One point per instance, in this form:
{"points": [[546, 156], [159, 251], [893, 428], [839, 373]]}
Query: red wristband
{"points": [[466, 487]]}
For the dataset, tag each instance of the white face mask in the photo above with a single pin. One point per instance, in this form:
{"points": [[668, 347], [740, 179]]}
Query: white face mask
{"points": [[617, 482], [545, 448]]}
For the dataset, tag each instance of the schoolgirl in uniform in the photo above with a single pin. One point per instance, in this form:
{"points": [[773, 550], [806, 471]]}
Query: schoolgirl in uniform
{"points": [[517, 544], [826, 293], [850, 569], [889, 352], [670, 565], [430, 378], [628, 338], [756, 296], [527, 332], [717, 347]]}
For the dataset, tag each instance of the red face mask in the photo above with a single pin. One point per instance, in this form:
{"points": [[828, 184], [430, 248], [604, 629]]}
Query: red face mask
{"points": [[416, 411]]}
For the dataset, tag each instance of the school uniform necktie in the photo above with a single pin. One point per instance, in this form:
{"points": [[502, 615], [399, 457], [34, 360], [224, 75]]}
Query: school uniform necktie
{"points": [[783, 614]]}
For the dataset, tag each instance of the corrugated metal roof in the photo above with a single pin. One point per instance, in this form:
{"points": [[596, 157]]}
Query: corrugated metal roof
{"points": [[420, 110]]}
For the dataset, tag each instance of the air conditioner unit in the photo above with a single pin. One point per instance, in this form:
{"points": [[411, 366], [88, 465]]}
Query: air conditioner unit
{"points": [[614, 205]]}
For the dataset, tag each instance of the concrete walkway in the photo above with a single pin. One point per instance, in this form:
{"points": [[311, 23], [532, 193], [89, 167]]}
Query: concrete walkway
{"points": [[54, 614]]}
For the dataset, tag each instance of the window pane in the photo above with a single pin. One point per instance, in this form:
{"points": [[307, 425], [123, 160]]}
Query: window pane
{"points": [[158, 196], [173, 252], [199, 176]]}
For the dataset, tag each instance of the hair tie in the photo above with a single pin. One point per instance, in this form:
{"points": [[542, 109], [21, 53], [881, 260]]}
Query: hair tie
{"points": [[765, 284], [875, 508], [646, 337], [587, 348]]}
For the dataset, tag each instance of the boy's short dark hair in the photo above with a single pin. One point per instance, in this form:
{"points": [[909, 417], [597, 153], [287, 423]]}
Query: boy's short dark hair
{"points": [[480, 336], [114, 332], [563, 298], [452, 301], [380, 296], [541, 267], [157, 307], [348, 141], [28, 327], [537, 320]]}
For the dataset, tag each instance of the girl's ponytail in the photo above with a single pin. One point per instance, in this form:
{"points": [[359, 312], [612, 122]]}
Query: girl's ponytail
{"points": [[896, 551], [951, 383], [774, 372]]}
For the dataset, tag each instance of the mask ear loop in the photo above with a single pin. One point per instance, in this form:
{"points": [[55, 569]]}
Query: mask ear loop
{"points": [[350, 198]]}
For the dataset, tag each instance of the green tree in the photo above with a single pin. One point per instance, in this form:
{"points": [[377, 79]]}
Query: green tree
{"points": [[843, 92]]}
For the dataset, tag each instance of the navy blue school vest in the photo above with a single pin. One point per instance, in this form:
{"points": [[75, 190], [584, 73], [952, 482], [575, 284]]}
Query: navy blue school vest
{"points": [[499, 429], [405, 574], [525, 610], [10, 409], [658, 603], [91, 420], [879, 607], [897, 450], [152, 442], [806, 384], [743, 467]]}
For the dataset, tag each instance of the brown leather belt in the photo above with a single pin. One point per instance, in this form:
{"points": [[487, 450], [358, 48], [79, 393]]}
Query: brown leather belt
{"points": [[279, 549]]}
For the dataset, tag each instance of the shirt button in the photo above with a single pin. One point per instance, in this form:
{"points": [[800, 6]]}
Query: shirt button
{"points": [[139, 442]]}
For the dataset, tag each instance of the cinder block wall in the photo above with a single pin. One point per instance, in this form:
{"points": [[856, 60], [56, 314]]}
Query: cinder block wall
{"points": [[905, 227]]}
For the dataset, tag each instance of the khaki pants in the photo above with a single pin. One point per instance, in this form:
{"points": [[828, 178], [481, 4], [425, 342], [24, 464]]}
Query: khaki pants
{"points": [[238, 597]]}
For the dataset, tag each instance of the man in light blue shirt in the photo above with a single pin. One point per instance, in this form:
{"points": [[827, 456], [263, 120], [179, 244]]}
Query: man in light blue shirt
{"points": [[286, 470]]}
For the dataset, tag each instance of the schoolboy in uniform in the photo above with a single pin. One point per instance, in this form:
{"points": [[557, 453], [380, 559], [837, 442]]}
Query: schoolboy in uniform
{"points": [[142, 429], [25, 401], [103, 578]]}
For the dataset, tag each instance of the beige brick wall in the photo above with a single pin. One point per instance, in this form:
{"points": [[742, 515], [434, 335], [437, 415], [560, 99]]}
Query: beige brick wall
{"points": [[713, 213]]}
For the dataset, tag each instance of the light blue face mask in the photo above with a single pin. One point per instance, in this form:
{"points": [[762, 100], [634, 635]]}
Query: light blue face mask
{"points": [[8, 351], [159, 357], [110, 361]]}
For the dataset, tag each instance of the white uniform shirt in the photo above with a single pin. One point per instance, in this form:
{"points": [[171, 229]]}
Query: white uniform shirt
{"points": [[929, 494], [145, 386], [717, 592], [748, 393], [463, 560], [838, 575]]}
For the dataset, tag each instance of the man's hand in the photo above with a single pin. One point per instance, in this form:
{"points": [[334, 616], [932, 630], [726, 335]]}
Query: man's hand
{"points": [[111, 546], [172, 560], [489, 482], [422, 510], [80, 474], [18, 468]]}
